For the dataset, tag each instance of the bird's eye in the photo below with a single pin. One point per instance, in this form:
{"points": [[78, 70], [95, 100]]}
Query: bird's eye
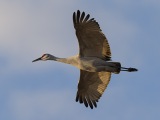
{"points": [[44, 56]]}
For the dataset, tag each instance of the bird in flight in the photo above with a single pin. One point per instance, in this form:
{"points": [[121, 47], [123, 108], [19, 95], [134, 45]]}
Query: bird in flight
{"points": [[93, 60]]}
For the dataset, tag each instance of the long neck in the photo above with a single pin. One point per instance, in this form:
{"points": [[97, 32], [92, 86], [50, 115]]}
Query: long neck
{"points": [[69, 60]]}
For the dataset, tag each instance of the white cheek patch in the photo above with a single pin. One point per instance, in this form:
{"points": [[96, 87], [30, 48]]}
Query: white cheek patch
{"points": [[43, 57]]}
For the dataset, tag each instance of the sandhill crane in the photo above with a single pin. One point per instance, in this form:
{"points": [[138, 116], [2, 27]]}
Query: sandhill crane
{"points": [[93, 60]]}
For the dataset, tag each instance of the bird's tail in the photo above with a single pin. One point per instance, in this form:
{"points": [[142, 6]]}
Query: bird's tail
{"points": [[117, 66]]}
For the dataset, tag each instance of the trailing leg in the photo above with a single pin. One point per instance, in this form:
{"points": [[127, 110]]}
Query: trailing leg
{"points": [[129, 69]]}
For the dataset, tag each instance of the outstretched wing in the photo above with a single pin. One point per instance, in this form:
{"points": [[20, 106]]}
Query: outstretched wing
{"points": [[91, 87], [92, 41]]}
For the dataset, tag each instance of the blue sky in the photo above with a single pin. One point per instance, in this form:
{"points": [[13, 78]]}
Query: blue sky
{"points": [[47, 90]]}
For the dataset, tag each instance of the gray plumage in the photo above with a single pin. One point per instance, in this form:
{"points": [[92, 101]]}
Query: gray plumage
{"points": [[93, 60]]}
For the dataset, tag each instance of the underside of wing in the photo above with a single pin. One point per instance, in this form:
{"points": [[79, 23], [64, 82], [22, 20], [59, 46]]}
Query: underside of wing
{"points": [[92, 42], [91, 87]]}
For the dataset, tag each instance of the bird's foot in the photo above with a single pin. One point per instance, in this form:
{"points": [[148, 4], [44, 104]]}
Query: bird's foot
{"points": [[129, 69]]}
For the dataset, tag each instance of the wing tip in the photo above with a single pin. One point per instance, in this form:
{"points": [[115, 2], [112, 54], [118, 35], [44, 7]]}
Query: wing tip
{"points": [[87, 101], [79, 16]]}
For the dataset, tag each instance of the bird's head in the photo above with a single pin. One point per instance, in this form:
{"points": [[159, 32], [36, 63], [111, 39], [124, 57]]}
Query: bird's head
{"points": [[44, 57]]}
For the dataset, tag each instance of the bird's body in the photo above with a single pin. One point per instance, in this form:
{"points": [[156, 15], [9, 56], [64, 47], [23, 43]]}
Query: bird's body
{"points": [[93, 60], [90, 64]]}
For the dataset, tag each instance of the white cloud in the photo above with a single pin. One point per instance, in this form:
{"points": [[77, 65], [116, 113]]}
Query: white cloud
{"points": [[28, 31], [121, 34], [27, 34]]}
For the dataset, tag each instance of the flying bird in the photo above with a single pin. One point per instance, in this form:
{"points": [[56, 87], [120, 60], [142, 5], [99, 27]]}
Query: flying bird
{"points": [[93, 60]]}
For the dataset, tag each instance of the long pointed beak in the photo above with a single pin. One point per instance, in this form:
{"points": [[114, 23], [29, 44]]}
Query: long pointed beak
{"points": [[36, 59]]}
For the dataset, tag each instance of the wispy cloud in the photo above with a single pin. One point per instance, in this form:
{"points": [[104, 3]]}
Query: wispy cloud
{"points": [[28, 29]]}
